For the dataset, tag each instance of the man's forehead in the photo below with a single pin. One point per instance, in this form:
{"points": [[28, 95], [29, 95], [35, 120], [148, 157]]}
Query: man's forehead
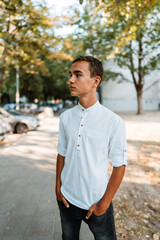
{"points": [[80, 66]]}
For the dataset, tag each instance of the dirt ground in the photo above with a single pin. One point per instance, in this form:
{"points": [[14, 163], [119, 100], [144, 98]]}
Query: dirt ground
{"points": [[137, 202]]}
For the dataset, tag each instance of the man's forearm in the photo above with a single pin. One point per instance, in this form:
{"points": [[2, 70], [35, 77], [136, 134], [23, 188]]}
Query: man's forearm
{"points": [[113, 185], [114, 182], [59, 168]]}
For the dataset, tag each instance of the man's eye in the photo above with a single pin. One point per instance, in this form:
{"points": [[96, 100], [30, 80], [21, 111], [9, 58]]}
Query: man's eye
{"points": [[78, 75]]}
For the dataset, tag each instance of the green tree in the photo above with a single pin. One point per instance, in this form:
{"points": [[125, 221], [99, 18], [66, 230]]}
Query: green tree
{"points": [[61, 63], [126, 31], [26, 32]]}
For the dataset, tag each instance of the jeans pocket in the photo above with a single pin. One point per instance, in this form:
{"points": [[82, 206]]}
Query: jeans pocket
{"points": [[97, 220], [58, 201], [99, 215]]}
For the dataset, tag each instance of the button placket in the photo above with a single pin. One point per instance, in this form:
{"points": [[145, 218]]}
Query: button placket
{"points": [[80, 129]]}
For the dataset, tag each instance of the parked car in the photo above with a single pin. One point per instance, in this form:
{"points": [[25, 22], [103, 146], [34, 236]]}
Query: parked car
{"points": [[51, 105], [26, 106], [60, 105], [5, 128], [19, 123], [28, 109], [9, 106], [33, 109], [48, 111]]}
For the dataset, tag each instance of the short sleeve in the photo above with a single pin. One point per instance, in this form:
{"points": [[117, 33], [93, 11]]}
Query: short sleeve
{"points": [[62, 143], [118, 146]]}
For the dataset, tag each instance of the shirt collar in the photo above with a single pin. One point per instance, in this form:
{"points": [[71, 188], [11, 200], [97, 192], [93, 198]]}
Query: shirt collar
{"points": [[93, 107]]}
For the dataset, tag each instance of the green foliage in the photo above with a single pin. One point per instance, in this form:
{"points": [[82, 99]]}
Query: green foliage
{"points": [[27, 39], [127, 32]]}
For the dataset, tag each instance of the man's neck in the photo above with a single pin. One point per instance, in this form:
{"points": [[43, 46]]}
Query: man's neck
{"points": [[86, 103]]}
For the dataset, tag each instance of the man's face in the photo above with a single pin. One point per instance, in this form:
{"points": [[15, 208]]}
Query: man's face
{"points": [[80, 80]]}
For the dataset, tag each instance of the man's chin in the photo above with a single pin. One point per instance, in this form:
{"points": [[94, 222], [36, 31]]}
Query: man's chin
{"points": [[72, 93]]}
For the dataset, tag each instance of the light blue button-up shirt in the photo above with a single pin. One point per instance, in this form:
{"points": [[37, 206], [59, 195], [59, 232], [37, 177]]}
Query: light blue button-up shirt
{"points": [[88, 139]]}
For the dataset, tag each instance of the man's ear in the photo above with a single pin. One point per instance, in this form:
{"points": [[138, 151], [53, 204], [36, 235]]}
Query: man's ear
{"points": [[97, 81]]}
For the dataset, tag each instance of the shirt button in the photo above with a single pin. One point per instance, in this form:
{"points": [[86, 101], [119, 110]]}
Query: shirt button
{"points": [[82, 109], [78, 145], [81, 125], [79, 135]]}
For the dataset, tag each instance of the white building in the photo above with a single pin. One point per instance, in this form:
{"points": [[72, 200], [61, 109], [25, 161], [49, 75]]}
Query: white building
{"points": [[121, 96]]}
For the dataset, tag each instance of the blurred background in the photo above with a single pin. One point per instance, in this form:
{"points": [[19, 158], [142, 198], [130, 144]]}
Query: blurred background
{"points": [[38, 42], [39, 39]]}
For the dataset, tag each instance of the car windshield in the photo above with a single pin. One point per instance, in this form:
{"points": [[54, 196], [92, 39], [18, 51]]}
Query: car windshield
{"points": [[15, 113]]}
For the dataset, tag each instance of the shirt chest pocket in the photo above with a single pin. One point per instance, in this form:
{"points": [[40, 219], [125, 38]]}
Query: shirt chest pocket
{"points": [[95, 139]]}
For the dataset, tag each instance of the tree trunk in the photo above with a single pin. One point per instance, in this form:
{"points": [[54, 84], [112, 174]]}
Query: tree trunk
{"points": [[0, 95], [3, 62], [140, 75], [100, 94], [140, 83], [139, 101], [2, 69]]}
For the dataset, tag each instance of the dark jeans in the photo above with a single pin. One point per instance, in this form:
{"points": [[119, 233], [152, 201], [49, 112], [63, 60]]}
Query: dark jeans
{"points": [[102, 227]]}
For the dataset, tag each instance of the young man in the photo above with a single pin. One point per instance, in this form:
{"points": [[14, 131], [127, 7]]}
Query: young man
{"points": [[89, 135]]}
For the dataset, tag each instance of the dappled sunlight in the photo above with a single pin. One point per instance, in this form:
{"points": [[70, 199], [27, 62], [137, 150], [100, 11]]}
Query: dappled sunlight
{"points": [[46, 167], [143, 131], [36, 149], [143, 148], [30, 163], [39, 40], [144, 159], [137, 200], [34, 152]]}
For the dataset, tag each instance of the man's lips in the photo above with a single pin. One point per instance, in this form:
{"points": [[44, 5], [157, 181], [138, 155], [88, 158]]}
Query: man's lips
{"points": [[72, 88]]}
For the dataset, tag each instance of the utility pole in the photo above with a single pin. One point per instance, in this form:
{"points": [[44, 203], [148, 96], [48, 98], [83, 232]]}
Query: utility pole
{"points": [[17, 87]]}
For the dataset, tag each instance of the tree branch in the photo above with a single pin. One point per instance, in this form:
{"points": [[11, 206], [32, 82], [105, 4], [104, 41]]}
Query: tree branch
{"points": [[140, 53], [151, 85], [132, 68], [6, 8], [142, 10]]}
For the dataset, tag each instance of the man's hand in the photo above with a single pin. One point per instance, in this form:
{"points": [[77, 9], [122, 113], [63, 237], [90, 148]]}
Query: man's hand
{"points": [[114, 182], [60, 197], [59, 167], [98, 209]]}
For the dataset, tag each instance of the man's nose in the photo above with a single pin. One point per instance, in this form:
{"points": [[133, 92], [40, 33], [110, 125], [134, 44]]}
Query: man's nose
{"points": [[71, 80]]}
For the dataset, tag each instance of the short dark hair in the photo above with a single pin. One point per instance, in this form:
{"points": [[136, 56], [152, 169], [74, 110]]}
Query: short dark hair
{"points": [[95, 66]]}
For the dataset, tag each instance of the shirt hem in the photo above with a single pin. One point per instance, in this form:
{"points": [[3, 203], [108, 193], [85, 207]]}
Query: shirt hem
{"points": [[72, 201]]}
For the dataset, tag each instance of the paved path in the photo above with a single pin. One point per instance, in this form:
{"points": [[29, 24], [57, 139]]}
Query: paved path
{"points": [[28, 208]]}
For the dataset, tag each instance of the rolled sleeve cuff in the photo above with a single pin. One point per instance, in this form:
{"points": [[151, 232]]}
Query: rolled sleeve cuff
{"points": [[119, 160], [61, 151]]}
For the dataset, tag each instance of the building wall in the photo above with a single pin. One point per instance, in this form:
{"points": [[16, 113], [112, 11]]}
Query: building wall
{"points": [[121, 96]]}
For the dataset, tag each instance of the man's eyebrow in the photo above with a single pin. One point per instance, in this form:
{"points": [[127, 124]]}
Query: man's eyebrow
{"points": [[76, 71]]}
